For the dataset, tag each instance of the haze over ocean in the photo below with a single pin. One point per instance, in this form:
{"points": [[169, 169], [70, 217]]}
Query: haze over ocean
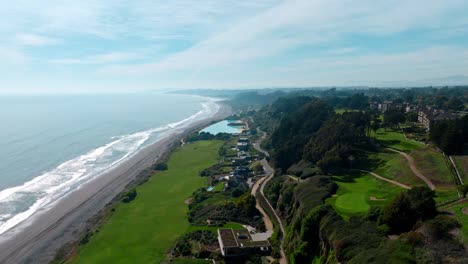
{"points": [[50, 145]]}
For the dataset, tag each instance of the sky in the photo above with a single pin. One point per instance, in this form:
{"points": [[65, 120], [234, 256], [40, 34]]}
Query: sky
{"points": [[120, 46]]}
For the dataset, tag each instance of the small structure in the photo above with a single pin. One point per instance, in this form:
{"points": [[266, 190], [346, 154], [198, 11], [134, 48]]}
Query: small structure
{"points": [[243, 139], [242, 146], [238, 242], [385, 106], [241, 171]]}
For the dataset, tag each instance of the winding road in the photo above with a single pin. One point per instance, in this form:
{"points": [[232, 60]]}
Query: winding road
{"points": [[257, 190]]}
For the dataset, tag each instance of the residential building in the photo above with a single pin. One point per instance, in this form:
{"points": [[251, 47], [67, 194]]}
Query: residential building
{"points": [[239, 242]]}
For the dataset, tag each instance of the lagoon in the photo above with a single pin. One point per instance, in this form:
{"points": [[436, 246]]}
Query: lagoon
{"points": [[223, 127]]}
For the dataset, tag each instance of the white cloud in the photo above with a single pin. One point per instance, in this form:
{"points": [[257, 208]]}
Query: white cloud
{"points": [[111, 57], [12, 56], [34, 40], [294, 23]]}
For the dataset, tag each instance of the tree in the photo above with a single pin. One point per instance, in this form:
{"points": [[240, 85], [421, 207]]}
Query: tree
{"points": [[162, 166], [408, 207], [463, 189], [392, 118]]}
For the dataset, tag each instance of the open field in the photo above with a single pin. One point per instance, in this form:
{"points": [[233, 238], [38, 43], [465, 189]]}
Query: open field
{"points": [[432, 164], [392, 166], [144, 229], [396, 139], [359, 191], [462, 166]]}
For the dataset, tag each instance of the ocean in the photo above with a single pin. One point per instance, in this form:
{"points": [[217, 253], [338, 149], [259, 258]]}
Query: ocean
{"points": [[50, 145]]}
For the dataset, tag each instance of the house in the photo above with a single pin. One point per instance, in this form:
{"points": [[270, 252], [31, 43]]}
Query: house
{"points": [[243, 139], [242, 146], [239, 242], [242, 160], [241, 171]]}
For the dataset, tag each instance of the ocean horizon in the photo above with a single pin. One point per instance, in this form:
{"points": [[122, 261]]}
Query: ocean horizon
{"points": [[51, 145]]}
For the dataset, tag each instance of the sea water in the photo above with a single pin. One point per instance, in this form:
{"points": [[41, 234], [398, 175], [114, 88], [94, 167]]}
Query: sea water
{"points": [[50, 145]]}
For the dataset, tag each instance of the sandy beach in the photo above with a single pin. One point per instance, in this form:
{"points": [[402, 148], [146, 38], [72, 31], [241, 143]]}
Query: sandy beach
{"points": [[37, 239]]}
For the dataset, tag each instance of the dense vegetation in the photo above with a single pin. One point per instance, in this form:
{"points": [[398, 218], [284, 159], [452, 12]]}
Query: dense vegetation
{"points": [[311, 140], [450, 135]]}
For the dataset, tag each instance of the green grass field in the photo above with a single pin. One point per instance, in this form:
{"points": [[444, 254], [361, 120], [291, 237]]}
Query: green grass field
{"points": [[355, 192], [432, 164], [392, 166], [219, 187], [143, 230], [396, 139], [462, 166], [462, 218]]}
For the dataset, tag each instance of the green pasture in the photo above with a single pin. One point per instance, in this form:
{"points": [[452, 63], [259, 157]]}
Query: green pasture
{"points": [[143, 230]]}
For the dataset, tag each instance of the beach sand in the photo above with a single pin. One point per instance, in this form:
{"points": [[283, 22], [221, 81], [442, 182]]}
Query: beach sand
{"points": [[37, 239]]}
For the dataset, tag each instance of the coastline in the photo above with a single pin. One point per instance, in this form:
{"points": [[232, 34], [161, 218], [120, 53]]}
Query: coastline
{"points": [[37, 240]]}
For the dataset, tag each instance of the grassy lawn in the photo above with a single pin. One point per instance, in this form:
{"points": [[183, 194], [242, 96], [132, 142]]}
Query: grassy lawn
{"points": [[392, 166], [462, 166], [396, 139], [432, 164], [143, 230], [342, 110], [462, 218], [219, 187], [215, 228], [355, 191]]}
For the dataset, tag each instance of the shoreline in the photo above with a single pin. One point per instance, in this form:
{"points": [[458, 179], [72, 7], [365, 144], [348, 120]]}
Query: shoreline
{"points": [[38, 239]]}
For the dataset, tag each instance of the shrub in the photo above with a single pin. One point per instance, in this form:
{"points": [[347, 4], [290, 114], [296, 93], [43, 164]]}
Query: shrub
{"points": [[162, 166], [129, 196]]}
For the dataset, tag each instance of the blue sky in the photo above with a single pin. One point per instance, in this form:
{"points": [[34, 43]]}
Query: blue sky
{"points": [[101, 46]]}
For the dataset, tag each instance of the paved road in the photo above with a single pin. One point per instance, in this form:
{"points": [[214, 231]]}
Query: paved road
{"points": [[269, 172], [265, 217], [414, 169]]}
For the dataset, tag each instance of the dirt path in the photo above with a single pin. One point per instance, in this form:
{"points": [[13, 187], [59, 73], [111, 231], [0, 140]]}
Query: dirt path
{"points": [[414, 169], [387, 180]]}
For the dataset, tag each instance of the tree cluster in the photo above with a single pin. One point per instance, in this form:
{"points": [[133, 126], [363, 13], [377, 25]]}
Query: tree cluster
{"points": [[450, 135]]}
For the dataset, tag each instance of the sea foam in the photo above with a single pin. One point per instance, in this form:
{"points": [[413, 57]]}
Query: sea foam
{"points": [[21, 202]]}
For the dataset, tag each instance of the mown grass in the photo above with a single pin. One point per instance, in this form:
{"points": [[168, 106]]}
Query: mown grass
{"points": [[142, 231], [355, 191], [396, 139], [462, 166], [219, 187]]}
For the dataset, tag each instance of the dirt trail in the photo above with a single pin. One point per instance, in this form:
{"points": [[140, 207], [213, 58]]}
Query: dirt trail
{"points": [[387, 180], [414, 169]]}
